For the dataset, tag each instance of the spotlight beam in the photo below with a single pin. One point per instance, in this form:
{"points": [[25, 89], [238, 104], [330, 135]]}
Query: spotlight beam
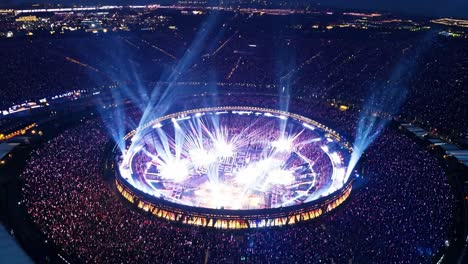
{"points": [[385, 102]]}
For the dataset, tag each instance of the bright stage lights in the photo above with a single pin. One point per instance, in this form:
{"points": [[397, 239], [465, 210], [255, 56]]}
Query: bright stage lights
{"points": [[254, 173], [248, 176], [201, 158], [308, 126], [263, 173], [335, 157], [224, 149], [158, 125], [235, 160], [282, 144], [175, 169], [219, 195], [176, 125], [325, 149]]}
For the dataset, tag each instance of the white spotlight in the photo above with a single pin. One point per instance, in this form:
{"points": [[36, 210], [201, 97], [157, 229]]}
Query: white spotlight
{"points": [[158, 125], [201, 158], [325, 148], [308, 126], [282, 144], [247, 176], [335, 158], [176, 125], [224, 149], [176, 170]]}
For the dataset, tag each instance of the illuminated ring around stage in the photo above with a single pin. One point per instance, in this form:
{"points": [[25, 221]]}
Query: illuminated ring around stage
{"points": [[235, 167]]}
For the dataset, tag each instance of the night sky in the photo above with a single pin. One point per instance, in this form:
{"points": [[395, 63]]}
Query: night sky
{"points": [[438, 8]]}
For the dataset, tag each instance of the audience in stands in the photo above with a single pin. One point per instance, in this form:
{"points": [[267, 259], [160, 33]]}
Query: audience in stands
{"points": [[401, 213]]}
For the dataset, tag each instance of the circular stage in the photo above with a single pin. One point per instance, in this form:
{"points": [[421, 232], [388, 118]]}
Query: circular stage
{"points": [[241, 164]]}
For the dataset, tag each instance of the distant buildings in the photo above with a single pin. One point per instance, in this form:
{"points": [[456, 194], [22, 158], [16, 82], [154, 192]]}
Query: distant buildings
{"points": [[451, 22]]}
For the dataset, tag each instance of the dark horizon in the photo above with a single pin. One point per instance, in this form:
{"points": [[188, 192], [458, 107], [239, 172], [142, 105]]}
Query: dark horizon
{"points": [[429, 8]]}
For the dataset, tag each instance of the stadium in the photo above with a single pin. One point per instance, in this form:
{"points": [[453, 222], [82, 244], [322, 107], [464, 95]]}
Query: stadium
{"points": [[151, 180], [175, 134]]}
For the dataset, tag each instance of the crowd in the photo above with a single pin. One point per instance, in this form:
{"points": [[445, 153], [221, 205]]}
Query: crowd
{"points": [[252, 58], [401, 214]]}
